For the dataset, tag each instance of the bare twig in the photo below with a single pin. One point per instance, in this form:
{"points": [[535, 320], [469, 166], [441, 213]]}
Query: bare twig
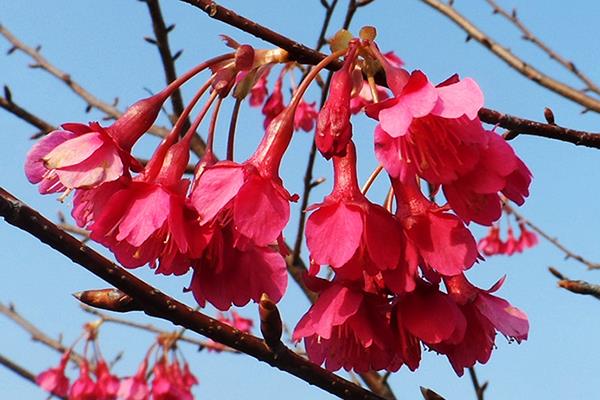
{"points": [[159, 305], [36, 334], [151, 328], [22, 372], [479, 389], [9, 105], [579, 287], [512, 60], [530, 37], [568, 253]]}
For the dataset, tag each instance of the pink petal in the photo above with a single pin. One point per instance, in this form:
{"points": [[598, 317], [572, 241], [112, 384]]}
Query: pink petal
{"points": [[395, 120], [333, 307], [507, 319], [460, 98], [333, 234], [260, 212], [383, 237], [215, 188], [387, 151], [104, 165], [34, 166], [419, 96], [74, 151]]}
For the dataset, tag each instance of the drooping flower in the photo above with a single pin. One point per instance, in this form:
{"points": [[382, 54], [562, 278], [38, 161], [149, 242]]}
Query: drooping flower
{"points": [[135, 387], [259, 91], [107, 385], [491, 244], [85, 156], [305, 116], [363, 97], [346, 230], [510, 246], [527, 239], [84, 388], [168, 382], [54, 380], [346, 328], [274, 104], [485, 315]]}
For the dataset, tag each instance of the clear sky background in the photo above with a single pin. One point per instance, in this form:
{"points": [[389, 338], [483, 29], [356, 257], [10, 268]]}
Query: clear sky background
{"points": [[100, 43]]}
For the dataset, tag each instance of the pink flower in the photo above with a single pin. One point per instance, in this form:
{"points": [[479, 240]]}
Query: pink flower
{"points": [[148, 220], [53, 380], [510, 246], [440, 238], [527, 239], [85, 156], [485, 314], [84, 388], [334, 129], [274, 104], [168, 382], [135, 387], [346, 230], [107, 385], [305, 116], [259, 91], [426, 315], [346, 328], [491, 244]]}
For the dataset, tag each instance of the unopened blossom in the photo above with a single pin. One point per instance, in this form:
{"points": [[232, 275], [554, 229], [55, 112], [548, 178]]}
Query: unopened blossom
{"points": [[485, 314], [305, 116], [85, 156], [334, 129], [346, 328], [135, 387], [491, 244], [54, 380], [84, 388], [346, 230]]}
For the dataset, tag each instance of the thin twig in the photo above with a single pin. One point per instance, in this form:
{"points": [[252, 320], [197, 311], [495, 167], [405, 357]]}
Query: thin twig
{"points": [[579, 287], [159, 305], [13, 108], [36, 334], [23, 373], [479, 389], [530, 37], [512, 60], [568, 253], [151, 328]]}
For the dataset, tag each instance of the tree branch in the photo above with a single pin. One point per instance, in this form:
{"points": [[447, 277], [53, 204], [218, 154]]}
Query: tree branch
{"points": [[13, 108], [512, 60], [530, 37], [479, 389], [22, 372], [579, 287], [157, 304]]}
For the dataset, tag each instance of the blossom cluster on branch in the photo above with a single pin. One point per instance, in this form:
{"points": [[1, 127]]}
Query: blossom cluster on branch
{"points": [[390, 261]]}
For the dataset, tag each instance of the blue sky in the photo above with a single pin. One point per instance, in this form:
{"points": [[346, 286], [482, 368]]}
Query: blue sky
{"points": [[101, 45]]}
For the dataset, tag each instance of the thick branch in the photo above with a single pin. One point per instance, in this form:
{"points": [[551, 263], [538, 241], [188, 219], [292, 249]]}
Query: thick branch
{"points": [[529, 36], [512, 60], [159, 305]]}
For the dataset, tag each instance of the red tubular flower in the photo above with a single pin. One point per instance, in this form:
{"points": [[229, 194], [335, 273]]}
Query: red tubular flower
{"points": [[485, 314], [168, 382], [107, 385], [527, 239], [347, 230], [305, 116], [148, 220], [84, 388], [259, 91], [135, 387], [53, 380], [510, 246], [85, 156], [346, 328], [274, 104], [334, 129]]}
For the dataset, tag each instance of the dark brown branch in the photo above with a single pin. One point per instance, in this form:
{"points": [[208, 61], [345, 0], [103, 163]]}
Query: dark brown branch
{"points": [[161, 33], [568, 253], [579, 287], [530, 37], [512, 60], [479, 389], [159, 305], [304, 54], [36, 334]]}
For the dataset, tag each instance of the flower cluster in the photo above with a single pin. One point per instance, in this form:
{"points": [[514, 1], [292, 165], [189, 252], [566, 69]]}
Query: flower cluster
{"points": [[399, 268], [492, 244], [172, 379]]}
